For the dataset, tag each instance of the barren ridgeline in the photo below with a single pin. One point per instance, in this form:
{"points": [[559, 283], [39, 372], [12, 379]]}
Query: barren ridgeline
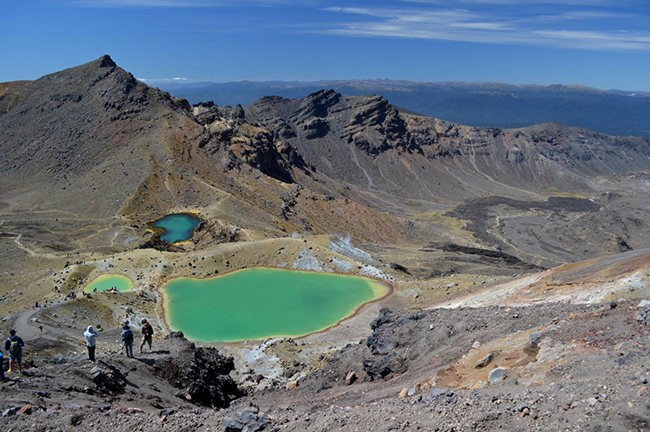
{"points": [[518, 260]]}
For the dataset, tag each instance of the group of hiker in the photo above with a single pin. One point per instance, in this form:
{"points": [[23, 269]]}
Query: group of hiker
{"points": [[127, 339], [14, 346]]}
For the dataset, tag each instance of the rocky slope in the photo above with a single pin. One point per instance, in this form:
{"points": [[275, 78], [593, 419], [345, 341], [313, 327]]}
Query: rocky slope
{"points": [[94, 134], [371, 144], [545, 367], [409, 163], [450, 215]]}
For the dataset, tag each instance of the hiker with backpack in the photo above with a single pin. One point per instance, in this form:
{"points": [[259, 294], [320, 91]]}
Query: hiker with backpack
{"points": [[147, 334], [127, 340], [90, 335], [14, 346]]}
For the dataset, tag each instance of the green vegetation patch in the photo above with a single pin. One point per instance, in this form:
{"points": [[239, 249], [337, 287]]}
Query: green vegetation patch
{"points": [[455, 226]]}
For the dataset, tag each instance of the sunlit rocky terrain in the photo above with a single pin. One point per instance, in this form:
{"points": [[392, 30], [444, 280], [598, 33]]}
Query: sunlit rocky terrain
{"points": [[518, 260]]}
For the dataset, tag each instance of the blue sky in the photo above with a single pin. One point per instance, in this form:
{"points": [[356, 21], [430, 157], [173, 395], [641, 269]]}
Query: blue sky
{"points": [[600, 43]]}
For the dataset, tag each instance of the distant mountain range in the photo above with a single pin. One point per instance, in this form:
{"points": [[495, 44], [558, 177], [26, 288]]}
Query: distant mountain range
{"points": [[487, 104]]}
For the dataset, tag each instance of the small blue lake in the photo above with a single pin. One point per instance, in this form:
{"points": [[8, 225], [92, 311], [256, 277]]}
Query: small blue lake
{"points": [[177, 227]]}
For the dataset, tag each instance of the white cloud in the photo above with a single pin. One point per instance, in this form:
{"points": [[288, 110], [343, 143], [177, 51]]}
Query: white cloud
{"points": [[162, 80], [593, 28], [140, 3], [174, 3], [579, 24], [597, 40]]}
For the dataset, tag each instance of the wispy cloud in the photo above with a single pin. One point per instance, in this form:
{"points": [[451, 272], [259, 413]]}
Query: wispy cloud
{"points": [[140, 3], [592, 39], [579, 24], [174, 3], [581, 27], [162, 80], [590, 3]]}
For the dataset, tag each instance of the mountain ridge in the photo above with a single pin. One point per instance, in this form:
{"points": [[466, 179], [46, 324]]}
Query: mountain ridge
{"points": [[85, 130], [487, 104]]}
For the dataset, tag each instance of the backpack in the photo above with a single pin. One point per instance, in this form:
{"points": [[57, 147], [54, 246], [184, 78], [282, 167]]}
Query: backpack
{"points": [[127, 336], [14, 348]]}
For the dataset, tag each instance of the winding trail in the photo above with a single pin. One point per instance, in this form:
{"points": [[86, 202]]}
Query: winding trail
{"points": [[20, 246]]}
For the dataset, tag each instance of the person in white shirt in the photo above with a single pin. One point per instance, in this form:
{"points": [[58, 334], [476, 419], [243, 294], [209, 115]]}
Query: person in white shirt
{"points": [[90, 335]]}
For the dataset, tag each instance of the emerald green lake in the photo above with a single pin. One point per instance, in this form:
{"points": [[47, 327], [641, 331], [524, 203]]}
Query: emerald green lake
{"points": [[108, 281], [258, 303], [177, 227]]}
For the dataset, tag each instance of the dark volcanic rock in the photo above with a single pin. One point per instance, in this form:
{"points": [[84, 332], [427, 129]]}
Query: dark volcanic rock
{"points": [[384, 367], [249, 420], [109, 380], [384, 318], [387, 360], [201, 373], [155, 242], [492, 255], [643, 316]]}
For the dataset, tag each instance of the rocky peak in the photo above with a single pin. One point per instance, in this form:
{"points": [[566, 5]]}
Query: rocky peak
{"points": [[207, 113], [106, 61], [69, 122], [375, 125], [317, 104]]}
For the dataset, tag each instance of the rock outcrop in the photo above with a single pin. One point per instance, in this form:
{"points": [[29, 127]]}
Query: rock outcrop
{"points": [[387, 359], [360, 139], [200, 374]]}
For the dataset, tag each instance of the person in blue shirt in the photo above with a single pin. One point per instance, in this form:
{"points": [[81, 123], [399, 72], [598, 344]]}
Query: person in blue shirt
{"points": [[2, 367], [14, 346], [127, 340]]}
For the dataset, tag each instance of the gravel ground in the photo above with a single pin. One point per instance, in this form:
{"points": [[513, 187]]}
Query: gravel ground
{"points": [[586, 368]]}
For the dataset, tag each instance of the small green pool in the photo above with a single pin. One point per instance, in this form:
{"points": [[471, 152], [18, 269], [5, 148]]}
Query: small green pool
{"points": [[177, 227], [258, 303], [108, 281]]}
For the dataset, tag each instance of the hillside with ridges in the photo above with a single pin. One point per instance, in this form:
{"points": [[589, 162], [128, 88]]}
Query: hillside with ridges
{"points": [[500, 220], [104, 151]]}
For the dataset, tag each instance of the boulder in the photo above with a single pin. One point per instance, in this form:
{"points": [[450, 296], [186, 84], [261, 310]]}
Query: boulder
{"points": [[534, 338], [27, 409], [109, 380], [643, 315], [384, 367], [485, 360], [249, 420], [202, 373], [496, 375], [350, 378], [435, 393]]}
